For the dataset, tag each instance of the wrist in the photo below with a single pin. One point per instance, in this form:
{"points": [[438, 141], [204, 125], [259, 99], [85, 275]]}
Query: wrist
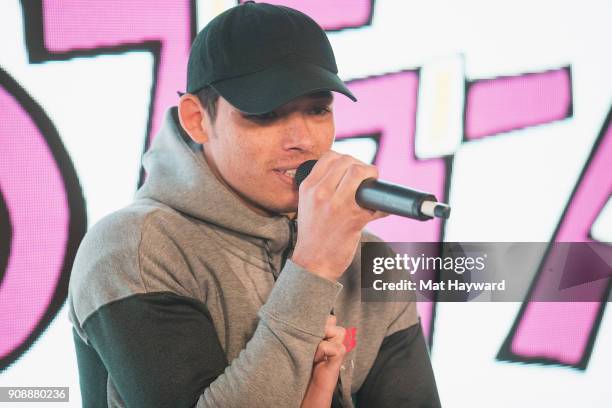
{"points": [[315, 268], [315, 398]]}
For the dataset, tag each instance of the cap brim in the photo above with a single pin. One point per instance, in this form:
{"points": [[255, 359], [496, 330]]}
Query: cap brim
{"points": [[266, 90]]}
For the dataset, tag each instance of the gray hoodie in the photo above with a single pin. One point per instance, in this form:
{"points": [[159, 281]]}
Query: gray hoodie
{"points": [[188, 298]]}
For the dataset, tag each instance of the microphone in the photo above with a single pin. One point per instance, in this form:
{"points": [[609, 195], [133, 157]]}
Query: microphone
{"points": [[388, 197]]}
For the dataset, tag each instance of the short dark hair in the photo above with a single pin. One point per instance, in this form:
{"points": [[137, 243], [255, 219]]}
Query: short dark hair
{"points": [[208, 98]]}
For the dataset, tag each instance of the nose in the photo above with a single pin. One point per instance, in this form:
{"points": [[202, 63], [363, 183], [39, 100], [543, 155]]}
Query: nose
{"points": [[298, 134]]}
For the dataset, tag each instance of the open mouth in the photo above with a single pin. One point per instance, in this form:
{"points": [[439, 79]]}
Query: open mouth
{"points": [[287, 175], [290, 172]]}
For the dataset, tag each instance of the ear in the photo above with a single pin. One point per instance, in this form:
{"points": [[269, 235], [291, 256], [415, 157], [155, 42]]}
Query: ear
{"points": [[194, 118]]}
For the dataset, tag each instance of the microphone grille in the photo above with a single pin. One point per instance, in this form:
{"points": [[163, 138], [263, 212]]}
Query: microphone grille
{"points": [[303, 171]]}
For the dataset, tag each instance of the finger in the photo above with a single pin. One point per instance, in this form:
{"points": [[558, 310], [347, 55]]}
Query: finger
{"points": [[336, 334], [319, 353], [374, 214], [321, 167], [355, 174], [331, 321], [327, 350], [379, 214], [335, 171]]}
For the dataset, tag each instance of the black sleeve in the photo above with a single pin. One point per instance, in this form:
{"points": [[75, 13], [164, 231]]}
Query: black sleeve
{"points": [[160, 349], [402, 375]]}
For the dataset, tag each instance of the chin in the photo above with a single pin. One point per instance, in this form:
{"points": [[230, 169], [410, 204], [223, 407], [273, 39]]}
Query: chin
{"points": [[283, 209], [285, 206]]}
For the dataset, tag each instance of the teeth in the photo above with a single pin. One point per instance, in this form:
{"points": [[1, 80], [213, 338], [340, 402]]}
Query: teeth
{"points": [[290, 172]]}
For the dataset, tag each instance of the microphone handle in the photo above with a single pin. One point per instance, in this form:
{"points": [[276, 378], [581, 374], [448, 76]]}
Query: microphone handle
{"points": [[393, 199]]}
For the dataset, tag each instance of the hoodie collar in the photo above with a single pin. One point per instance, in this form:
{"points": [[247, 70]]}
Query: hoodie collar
{"points": [[179, 177]]}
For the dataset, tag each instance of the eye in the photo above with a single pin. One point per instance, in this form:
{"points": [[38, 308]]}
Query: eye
{"points": [[263, 117], [320, 110]]}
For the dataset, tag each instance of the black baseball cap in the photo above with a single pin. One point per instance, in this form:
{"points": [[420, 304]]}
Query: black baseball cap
{"points": [[260, 56]]}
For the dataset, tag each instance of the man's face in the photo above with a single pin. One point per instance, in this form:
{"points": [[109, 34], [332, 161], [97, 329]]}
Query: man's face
{"points": [[251, 153]]}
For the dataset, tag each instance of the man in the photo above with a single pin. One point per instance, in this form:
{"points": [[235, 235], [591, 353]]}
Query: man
{"points": [[202, 292]]}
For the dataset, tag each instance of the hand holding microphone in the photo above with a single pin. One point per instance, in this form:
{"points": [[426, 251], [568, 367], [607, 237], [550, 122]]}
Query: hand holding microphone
{"points": [[329, 219], [388, 197], [338, 196]]}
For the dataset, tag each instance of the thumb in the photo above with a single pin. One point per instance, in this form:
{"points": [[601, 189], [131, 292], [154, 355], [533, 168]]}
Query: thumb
{"points": [[380, 214]]}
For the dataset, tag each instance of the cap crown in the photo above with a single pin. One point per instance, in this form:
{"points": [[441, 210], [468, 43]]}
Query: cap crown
{"points": [[253, 37]]}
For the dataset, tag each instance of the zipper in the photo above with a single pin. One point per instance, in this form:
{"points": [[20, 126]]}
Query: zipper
{"points": [[293, 232], [290, 246]]}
